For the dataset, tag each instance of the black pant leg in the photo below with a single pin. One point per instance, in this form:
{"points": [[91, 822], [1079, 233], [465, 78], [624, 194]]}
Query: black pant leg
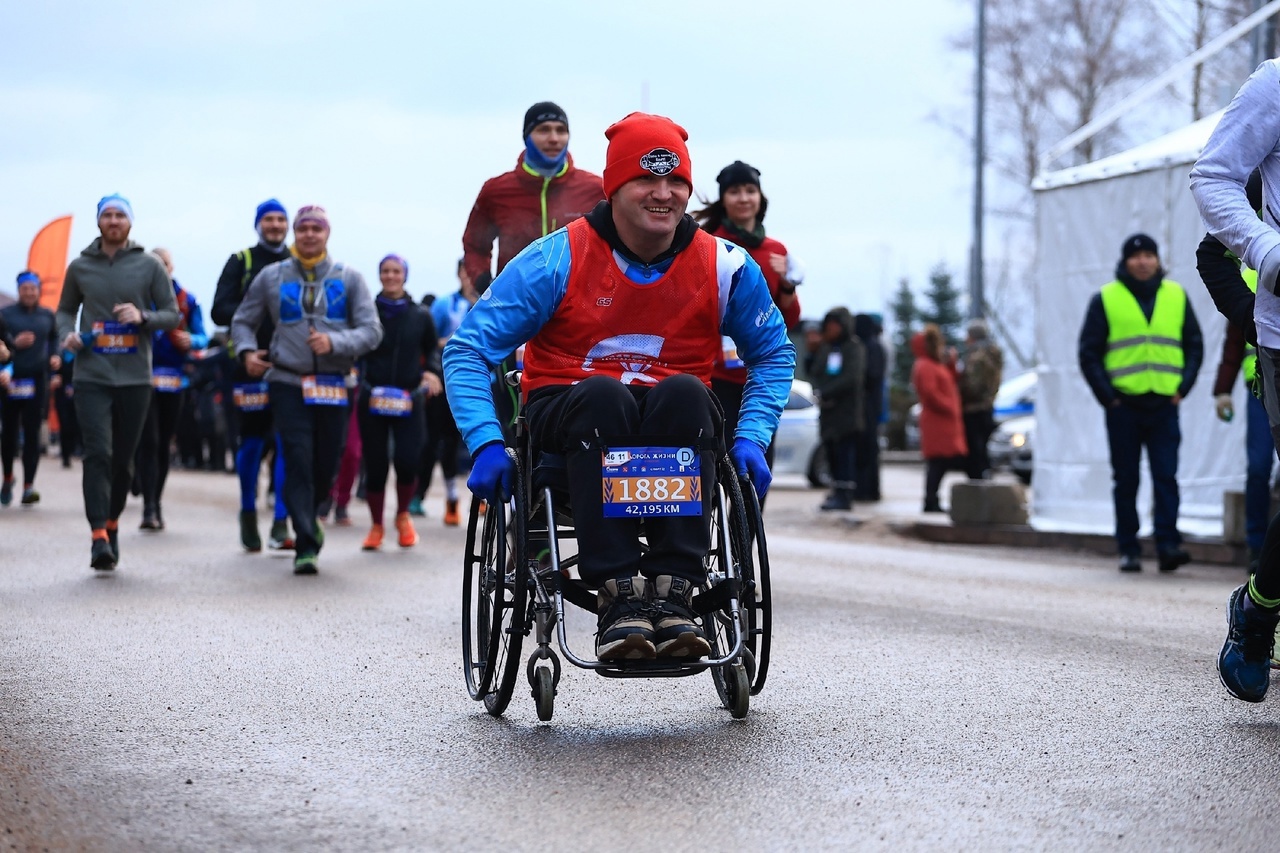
{"points": [[562, 422], [129, 414], [10, 425]]}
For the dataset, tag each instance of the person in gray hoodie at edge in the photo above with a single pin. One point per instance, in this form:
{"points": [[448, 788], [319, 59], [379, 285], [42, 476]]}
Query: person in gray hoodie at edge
{"points": [[324, 320], [1247, 138], [108, 285]]}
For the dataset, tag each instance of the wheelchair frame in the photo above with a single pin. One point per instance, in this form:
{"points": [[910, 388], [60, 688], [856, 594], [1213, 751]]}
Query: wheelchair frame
{"points": [[507, 595]]}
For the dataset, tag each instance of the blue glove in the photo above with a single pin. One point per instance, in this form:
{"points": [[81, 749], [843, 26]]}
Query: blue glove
{"points": [[492, 471], [748, 458]]}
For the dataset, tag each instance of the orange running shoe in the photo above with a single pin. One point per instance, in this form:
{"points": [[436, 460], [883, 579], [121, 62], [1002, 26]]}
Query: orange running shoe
{"points": [[404, 525], [451, 518], [373, 541]]}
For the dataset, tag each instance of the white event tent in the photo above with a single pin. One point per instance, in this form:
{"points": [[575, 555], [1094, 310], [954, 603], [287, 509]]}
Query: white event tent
{"points": [[1083, 215]]}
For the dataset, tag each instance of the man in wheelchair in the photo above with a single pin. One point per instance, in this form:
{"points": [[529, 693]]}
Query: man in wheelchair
{"points": [[624, 312]]}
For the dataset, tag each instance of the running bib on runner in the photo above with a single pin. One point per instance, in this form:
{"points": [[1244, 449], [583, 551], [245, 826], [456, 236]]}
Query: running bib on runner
{"points": [[324, 390], [390, 402], [166, 380], [730, 350], [649, 481], [22, 389], [115, 338], [251, 397]]}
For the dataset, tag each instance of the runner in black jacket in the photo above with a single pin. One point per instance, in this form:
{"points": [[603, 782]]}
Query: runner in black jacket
{"points": [[397, 378]]}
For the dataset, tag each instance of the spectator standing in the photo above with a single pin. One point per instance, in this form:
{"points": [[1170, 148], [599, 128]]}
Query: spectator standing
{"points": [[980, 377], [868, 329], [1140, 350], [839, 382], [941, 425]]}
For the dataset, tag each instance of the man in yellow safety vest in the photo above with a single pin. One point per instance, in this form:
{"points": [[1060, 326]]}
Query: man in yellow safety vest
{"points": [[1140, 350]]}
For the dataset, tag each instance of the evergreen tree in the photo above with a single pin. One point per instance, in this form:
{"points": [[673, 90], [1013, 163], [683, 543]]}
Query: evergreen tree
{"points": [[944, 305], [905, 315]]}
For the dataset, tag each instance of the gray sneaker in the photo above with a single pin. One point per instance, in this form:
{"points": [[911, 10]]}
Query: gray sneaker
{"points": [[676, 630], [625, 630]]}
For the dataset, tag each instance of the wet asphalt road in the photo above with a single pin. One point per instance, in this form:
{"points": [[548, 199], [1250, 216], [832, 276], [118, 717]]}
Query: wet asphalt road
{"points": [[920, 697]]}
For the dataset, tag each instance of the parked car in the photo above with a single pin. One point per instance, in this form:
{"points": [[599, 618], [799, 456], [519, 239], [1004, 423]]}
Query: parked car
{"points": [[797, 446], [1011, 445]]}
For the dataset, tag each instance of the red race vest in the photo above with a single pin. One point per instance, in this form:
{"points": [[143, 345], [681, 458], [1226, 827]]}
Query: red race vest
{"points": [[637, 333]]}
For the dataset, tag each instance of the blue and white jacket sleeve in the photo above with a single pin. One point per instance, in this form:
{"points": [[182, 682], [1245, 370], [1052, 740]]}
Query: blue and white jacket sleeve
{"points": [[1247, 136], [754, 322], [520, 301]]}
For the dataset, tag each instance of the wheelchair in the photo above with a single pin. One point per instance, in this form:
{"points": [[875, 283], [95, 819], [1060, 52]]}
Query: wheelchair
{"points": [[509, 594]]}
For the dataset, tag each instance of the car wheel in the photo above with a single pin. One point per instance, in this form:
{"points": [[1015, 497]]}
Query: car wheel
{"points": [[819, 472]]}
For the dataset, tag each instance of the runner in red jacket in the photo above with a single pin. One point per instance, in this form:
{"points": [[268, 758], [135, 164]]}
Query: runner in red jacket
{"points": [[545, 191]]}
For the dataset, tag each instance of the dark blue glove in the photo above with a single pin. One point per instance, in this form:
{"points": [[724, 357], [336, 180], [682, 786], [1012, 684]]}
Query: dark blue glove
{"points": [[748, 458], [491, 471]]}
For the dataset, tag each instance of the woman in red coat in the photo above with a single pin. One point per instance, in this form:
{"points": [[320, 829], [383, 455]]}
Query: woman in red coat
{"points": [[941, 423]]}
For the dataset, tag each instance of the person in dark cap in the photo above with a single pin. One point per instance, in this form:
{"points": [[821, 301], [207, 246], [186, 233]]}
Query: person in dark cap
{"points": [[33, 330], [544, 191], [252, 419], [1140, 349]]}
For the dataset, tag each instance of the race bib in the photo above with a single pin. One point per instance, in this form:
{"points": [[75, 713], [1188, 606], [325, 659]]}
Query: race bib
{"points": [[390, 402], [166, 380], [649, 481], [730, 350], [115, 338], [324, 390], [835, 361], [251, 397], [22, 389]]}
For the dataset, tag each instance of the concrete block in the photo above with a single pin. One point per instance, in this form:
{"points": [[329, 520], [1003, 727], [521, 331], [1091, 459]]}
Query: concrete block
{"points": [[976, 502]]}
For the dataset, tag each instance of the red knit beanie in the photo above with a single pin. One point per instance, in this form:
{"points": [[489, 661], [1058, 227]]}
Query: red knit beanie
{"points": [[643, 144]]}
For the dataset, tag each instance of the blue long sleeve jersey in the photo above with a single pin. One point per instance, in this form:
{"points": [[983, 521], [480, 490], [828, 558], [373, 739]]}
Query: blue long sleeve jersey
{"points": [[527, 293]]}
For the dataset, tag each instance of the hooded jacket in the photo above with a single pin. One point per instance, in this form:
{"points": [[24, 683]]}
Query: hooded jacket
{"points": [[518, 207], [839, 378], [32, 361], [343, 309], [941, 424], [94, 285]]}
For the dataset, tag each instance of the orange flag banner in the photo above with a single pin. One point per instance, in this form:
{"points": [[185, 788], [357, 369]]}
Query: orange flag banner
{"points": [[48, 259]]}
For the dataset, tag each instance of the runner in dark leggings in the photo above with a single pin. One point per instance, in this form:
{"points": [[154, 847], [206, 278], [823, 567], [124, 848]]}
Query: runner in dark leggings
{"points": [[393, 391]]}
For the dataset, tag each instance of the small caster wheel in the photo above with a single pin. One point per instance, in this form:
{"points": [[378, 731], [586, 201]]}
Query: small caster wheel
{"points": [[544, 693], [739, 690]]}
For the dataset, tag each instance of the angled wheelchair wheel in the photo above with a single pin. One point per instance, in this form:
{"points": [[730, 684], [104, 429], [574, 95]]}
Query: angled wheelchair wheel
{"points": [[757, 603], [732, 681], [494, 603]]}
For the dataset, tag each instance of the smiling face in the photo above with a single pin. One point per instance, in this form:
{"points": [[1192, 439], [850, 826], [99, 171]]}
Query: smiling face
{"points": [[647, 210], [275, 227], [114, 226], [310, 238], [550, 138], [391, 274], [742, 205]]}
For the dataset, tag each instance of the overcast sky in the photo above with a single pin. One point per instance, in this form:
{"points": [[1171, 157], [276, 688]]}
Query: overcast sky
{"points": [[392, 114]]}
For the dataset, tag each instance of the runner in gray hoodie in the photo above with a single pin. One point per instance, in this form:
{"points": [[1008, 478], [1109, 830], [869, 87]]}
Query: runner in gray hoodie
{"points": [[1248, 138], [324, 320], [108, 285]]}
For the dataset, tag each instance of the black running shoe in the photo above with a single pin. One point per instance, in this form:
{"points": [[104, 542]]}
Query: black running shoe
{"points": [[1130, 563], [1173, 558], [250, 539], [101, 557], [30, 497]]}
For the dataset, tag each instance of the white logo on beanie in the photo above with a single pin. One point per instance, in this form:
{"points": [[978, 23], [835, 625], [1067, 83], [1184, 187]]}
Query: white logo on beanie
{"points": [[660, 162]]}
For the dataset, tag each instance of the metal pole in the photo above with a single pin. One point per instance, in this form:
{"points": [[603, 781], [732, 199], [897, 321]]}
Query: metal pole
{"points": [[1256, 40], [977, 296]]}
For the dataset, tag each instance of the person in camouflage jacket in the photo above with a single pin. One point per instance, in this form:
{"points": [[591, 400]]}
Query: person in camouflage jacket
{"points": [[979, 381]]}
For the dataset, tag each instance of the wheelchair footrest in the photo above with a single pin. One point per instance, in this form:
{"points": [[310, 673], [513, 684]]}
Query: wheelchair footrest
{"points": [[716, 598], [577, 593]]}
